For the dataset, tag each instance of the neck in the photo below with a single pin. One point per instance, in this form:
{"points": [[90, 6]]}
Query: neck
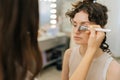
{"points": [[83, 49]]}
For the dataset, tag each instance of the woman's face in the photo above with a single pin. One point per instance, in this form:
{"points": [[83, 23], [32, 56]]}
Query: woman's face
{"points": [[80, 37]]}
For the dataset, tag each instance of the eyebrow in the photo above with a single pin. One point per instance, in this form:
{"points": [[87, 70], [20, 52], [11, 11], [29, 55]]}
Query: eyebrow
{"points": [[80, 22], [85, 22]]}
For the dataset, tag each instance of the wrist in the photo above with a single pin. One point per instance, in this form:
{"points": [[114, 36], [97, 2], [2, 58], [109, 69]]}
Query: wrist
{"points": [[91, 50]]}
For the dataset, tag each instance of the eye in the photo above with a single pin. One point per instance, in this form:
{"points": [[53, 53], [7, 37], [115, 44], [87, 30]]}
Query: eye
{"points": [[74, 25]]}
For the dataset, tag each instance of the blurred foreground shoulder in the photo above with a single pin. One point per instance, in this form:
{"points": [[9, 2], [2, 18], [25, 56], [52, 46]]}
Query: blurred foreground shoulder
{"points": [[114, 71]]}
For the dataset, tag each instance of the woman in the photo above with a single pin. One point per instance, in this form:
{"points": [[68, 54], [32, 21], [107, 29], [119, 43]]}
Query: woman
{"points": [[20, 57], [90, 59]]}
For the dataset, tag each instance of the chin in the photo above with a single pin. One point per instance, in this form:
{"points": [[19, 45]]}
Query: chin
{"points": [[80, 43]]}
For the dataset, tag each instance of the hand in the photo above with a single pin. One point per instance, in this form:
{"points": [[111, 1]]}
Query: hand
{"points": [[95, 38]]}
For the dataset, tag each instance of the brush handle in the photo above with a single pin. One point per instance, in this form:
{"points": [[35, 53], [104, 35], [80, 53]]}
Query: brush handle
{"points": [[103, 30]]}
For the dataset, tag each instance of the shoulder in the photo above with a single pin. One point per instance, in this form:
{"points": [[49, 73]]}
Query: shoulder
{"points": [[67, 52], [114, 66], [70, 51], [114, 71]]}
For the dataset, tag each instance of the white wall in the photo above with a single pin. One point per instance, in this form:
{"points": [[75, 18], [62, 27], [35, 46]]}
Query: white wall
{"points": [[113, 23]]}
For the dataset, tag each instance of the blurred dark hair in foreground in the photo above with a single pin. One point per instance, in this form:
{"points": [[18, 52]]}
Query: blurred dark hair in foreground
{"points": [[20, 57]]}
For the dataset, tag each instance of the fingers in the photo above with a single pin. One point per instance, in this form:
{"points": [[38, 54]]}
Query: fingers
{"points": [[95, 26], [99, 36], [95, 38], [92, 32], [92, 27]]}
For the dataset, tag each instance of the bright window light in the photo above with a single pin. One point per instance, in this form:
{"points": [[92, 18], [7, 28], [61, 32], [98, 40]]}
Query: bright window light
{"points": [[45, 0], [53, 5], [53, 0], [53, 21], [53, 16], [50, 0], [53, 11]]}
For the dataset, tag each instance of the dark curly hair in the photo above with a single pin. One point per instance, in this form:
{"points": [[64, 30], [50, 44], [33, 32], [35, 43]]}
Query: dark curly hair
{"points": [[97, 14]]}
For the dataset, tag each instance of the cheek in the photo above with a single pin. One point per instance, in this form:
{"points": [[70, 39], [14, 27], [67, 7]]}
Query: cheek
{"points": [[86, 37]]}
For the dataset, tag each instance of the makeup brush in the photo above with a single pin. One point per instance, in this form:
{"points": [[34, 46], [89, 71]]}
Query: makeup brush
{"points": [[97, 29]]}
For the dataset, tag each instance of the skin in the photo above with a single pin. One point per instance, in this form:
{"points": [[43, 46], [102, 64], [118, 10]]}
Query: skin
{"points": [[89, 41]]}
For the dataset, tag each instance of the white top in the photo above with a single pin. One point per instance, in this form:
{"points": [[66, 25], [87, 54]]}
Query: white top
{"points": [[99, 66]]}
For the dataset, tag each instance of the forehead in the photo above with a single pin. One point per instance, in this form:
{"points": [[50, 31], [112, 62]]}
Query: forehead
{"points": [[80, 17]]}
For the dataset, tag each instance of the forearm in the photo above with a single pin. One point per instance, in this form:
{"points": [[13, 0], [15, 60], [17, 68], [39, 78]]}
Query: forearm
{"points": [[82, 70]]}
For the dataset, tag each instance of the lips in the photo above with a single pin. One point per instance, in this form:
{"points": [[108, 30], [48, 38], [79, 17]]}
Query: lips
{"points": [[76, 37]]}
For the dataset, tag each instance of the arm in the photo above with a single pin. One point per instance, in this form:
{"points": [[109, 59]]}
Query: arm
{"points": [[82, 70], [113, 71], [65, 67], [94, 42]]}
